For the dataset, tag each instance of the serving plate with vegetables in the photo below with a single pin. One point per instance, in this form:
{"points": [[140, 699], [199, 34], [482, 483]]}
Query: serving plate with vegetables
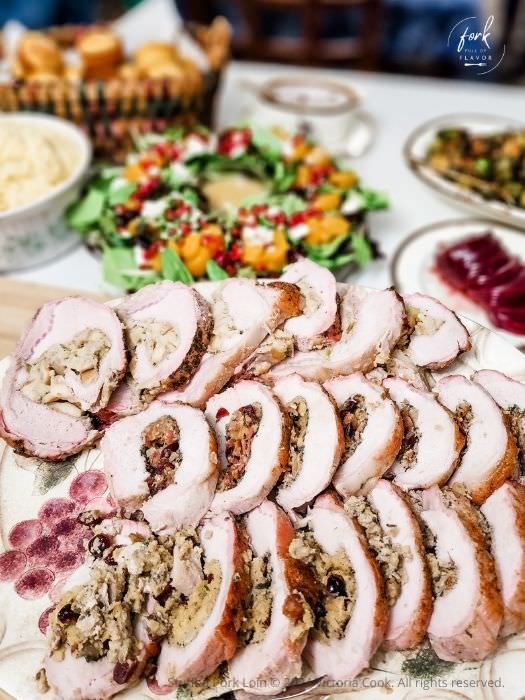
{"points": [[476, 161], [191, 204]]}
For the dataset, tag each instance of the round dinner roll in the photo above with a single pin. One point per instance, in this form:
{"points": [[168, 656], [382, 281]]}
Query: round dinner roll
{"points": [[38, 53]]}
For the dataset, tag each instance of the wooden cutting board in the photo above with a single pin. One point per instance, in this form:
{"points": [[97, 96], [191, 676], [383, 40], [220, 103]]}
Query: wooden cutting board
{"points": [[18, 303]]}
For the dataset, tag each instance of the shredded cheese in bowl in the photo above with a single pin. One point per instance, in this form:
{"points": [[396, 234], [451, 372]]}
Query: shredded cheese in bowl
{"points": [[34, 159]]}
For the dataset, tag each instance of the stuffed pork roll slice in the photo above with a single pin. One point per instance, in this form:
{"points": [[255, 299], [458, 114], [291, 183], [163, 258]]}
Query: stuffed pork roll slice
{"points": [[411, 611], [509, 394], [204, 609], [244, 313], [253, 438], [372, 323], [164, 462], [62, 373], [277, 617], [504, 512], [468, 609], [490, 455], [316, 440], [437, 336], [432, 441], [319, 324], [97, 635], [372, 429], [168, 328], [351, 613]]}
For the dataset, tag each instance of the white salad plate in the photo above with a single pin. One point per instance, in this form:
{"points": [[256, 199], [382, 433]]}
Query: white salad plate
{"points": [[413, 262], [27, 492], [416, 147]]}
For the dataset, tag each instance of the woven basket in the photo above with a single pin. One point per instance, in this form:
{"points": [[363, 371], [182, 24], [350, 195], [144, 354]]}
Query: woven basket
{"points": [[112, 111]]}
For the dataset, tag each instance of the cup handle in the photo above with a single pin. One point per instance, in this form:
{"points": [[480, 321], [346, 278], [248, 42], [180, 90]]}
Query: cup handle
{"points": [[361, 135]]}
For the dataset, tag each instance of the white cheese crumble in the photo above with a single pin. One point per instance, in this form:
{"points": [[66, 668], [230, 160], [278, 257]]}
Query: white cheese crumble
{"points": [[298, 231], [154, 207], [257, 235], [353, 203], [180, 172]]}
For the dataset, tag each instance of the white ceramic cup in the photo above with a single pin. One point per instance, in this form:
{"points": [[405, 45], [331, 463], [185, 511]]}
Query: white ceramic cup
{"points": [[328, 111]]}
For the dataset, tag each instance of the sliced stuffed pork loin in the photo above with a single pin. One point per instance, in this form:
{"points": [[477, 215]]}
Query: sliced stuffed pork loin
{"points": [[490, 455], [277, 616], [244, 313], [437, 336], [372, 322], [319, 323], [209, 586], [411, 610], [504, 512], [253, 437], [509, 394], [468, 609], [432, 441], [351, 614], [98, 640], [168, 328], [316, 440], [164, 462], [62, 373], [372, 429]]}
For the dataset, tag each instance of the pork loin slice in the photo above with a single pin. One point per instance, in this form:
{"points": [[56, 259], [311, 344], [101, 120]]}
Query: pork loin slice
{"points": [[509, 394], [490, 455], [63, 370], [76, 678], [373, 431], [410, 614], [467, 615], [372, 322], [316, 440], [317, 284], [244, 313], [432, 441], [168, 328], [253, 441], [163, 461], [504, 511], [438, 336], [340, 538], [216, 640], [277, 655]]}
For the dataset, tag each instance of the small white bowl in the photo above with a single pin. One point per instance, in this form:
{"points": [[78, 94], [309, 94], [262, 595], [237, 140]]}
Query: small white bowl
{"points": [[37, 232]]}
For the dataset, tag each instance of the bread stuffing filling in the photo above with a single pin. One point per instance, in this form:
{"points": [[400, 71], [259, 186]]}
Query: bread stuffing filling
{"points": [[389, 555], [335, 578], [258, 608], [276, 347], [240, 432], [98, 619], [298, 411], [516, 418], [464, 416], [354, 418], [421, 323], [408, 453], [158, 338], [161, 452], [80, 359]]}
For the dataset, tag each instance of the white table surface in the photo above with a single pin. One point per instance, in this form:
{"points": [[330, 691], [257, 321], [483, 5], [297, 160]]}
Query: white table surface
{"points": [[398, 104]]}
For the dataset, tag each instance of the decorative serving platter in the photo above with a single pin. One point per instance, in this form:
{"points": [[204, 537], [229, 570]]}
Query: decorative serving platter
{"points": [[46, 499], [413, 261], [415, 150]]}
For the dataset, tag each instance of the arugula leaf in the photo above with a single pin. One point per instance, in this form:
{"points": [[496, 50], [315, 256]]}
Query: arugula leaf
{"points": [[335, 263], [86, 211], [246, 272], [373, 200], [215, 271], [290, 203], [173, 268], [119, 195], [323, 251], [362, 249], [120, 269], [283, 177]]}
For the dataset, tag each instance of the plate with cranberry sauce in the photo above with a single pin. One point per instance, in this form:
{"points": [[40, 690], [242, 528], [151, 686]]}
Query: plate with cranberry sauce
{"points": [[474, 266]]}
